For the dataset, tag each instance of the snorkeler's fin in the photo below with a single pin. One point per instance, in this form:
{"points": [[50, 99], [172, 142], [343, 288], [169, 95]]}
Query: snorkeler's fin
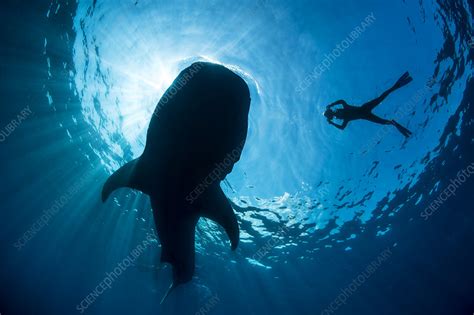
{"points": [[404, 131], [403, 80], [171, 288]]}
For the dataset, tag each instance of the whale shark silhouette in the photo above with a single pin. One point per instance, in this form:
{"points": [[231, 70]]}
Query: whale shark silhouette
{"points": [[195, 137]]}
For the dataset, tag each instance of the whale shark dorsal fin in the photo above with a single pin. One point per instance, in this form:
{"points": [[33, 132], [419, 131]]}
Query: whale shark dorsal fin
{"points": [[214, 205], [120, 178]]}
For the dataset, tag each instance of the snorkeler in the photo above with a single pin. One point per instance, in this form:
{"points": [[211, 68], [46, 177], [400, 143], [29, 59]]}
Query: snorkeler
{"points": [[349, 112]]}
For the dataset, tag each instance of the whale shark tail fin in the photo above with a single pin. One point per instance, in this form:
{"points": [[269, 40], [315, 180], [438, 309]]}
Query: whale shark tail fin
{"points": [[171, 288], [121, 178]]}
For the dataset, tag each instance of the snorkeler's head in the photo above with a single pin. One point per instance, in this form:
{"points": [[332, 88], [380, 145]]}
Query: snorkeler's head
{"points": [[329, 114]]}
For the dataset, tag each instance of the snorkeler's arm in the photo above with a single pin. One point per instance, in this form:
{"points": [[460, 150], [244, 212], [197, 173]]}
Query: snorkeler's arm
{"points": [[344, 124], [342, 102]]}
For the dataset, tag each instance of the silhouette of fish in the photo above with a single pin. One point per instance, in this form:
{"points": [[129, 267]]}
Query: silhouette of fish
{"points": [[195, 136]]}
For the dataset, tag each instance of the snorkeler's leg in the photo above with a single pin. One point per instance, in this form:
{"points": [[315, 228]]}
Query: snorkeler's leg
{"points": [[369, 106], [404, 131], [376, 119], [402, 81]]}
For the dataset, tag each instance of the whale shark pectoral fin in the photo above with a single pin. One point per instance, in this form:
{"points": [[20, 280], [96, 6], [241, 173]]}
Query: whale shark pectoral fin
{"points": [[120, 178], [214, 205]]}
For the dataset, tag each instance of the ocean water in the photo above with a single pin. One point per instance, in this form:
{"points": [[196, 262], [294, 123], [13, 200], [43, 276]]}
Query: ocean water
{"points": [[360, 221]]}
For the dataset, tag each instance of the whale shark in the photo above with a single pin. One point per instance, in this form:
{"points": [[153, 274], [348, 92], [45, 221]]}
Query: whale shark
{"points": [[195, 136]]}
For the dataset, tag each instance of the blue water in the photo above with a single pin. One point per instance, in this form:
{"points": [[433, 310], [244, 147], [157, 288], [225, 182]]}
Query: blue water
{"points": [[358, 221]]}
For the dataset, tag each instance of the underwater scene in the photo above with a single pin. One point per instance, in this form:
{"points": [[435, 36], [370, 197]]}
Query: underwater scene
{"points": [[237, 157]]}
